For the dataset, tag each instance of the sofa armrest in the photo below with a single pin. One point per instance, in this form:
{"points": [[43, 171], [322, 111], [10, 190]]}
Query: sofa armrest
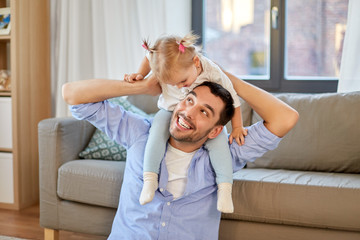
{"points": [[60, 141]]}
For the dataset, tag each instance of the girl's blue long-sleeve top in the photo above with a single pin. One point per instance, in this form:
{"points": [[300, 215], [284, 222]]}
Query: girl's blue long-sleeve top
{"points": [[192, 216]]}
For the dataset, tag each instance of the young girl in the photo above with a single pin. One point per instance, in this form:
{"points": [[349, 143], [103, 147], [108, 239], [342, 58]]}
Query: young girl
{"points": [[179, 67]]}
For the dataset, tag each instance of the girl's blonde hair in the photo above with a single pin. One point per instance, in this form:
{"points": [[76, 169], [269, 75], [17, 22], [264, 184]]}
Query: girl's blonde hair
{"points": [[170, 53]]}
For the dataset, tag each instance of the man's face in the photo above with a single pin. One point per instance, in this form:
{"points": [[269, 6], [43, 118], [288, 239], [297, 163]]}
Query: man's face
{"points": [[193, 120]]}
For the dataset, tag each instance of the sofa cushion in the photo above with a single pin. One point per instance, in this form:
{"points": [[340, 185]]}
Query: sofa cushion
{"points": [[326, 137], [246, 114], [311, 199], [91, 181], [101, 146], [146, 103]]}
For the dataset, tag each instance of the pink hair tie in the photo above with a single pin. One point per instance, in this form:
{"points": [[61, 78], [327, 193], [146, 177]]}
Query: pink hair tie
{"points": [[181, 47], [145, 46]]}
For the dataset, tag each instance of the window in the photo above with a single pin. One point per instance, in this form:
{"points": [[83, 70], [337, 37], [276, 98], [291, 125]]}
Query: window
{"points": [[279, 45]]}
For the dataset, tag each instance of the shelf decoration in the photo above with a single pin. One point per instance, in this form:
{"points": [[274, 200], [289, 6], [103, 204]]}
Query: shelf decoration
{"points": [[5, 21], [5, 81]]}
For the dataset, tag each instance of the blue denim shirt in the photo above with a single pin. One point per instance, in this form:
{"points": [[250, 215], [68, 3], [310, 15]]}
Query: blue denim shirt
{"points": [[192, 216]]}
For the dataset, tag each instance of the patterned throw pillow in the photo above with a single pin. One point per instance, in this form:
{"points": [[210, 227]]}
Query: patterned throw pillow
{"points": [[103, 148]]}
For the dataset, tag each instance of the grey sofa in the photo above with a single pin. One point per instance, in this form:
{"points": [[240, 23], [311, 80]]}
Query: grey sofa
{"points": [[307, 188]]}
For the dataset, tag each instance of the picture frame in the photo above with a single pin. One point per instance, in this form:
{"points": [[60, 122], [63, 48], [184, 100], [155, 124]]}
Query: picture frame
{"points": [[5, 24]]}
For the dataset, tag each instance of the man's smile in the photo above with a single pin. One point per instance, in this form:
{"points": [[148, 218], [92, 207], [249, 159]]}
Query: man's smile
{"points": [[183, 123]]}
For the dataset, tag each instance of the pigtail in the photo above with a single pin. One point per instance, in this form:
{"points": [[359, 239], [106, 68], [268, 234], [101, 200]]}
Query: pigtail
{"points": [[189, 40], [146, 45]]}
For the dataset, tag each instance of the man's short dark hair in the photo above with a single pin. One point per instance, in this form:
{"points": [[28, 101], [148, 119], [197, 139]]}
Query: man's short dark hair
{"points": [[221, 92]]}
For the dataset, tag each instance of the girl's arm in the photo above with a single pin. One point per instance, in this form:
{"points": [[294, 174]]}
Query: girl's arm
{"points": [[238, 130], [279, 118], [96, 90], [143, 70]]}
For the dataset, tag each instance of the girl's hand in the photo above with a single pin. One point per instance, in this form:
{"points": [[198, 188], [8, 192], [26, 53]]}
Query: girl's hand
{"points": [[133, 77], [238, 133]]}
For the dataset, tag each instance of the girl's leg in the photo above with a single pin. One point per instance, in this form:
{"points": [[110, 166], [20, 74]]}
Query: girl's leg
{"points": [[220, 158], [221, 161], [154, 153]]}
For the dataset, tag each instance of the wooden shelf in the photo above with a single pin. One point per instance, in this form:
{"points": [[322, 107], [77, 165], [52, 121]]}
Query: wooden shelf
{"points": [[7, 150], [26, 53], [5, 94], [5, 37]]}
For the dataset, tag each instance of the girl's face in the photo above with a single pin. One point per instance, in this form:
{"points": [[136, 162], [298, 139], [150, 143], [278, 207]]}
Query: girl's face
{"points": [[187, 76]]}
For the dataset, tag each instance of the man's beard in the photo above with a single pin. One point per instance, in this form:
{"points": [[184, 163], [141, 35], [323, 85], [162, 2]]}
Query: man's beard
{"points": [[186, 138], [189, 139]]}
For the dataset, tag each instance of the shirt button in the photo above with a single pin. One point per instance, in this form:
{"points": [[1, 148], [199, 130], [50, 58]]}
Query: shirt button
{"points": [[163, 224], [168, 203], [161, 189]]}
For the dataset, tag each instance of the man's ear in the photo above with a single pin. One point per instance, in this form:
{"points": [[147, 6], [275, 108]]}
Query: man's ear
{"points": [[215, 131]]}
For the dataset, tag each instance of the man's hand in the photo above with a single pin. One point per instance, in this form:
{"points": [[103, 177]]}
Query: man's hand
{"points": [[238, 133], [133, 77]]}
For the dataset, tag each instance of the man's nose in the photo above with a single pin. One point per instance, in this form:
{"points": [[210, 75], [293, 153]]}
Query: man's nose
{"points": [[191, 112]]}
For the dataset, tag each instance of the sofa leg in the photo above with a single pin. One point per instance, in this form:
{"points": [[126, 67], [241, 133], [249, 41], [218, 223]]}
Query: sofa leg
{"points": [[51, 234]]}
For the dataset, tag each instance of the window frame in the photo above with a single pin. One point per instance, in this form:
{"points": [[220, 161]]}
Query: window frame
{"points": [[277, 81]]}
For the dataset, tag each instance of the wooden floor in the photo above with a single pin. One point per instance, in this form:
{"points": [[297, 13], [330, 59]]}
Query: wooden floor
{"points": [[25, 224]]}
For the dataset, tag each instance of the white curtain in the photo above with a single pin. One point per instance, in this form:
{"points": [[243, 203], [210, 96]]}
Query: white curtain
{"points": [[349, 79], [102, 39]]}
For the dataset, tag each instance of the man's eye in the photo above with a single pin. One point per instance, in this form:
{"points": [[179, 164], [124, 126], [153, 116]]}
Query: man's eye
{"points": [[189, 100], [204, 112]]}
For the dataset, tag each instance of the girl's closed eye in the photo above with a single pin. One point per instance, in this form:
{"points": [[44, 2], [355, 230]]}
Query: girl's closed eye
{"points": [[183, 83]]}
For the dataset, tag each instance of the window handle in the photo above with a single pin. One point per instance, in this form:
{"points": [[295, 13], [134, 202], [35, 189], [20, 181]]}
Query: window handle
{"points": [[274, 17]]}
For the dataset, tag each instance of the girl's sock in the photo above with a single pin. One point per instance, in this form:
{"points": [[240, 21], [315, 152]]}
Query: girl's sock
{"points": [[150, 186], [224, 202]]}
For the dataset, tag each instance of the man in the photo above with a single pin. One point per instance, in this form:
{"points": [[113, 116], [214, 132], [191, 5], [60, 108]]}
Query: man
{"points": [[184, 206]]}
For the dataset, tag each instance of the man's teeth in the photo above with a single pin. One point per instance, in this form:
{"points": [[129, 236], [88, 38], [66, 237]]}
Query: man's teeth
{"points": [[183, 124]]}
